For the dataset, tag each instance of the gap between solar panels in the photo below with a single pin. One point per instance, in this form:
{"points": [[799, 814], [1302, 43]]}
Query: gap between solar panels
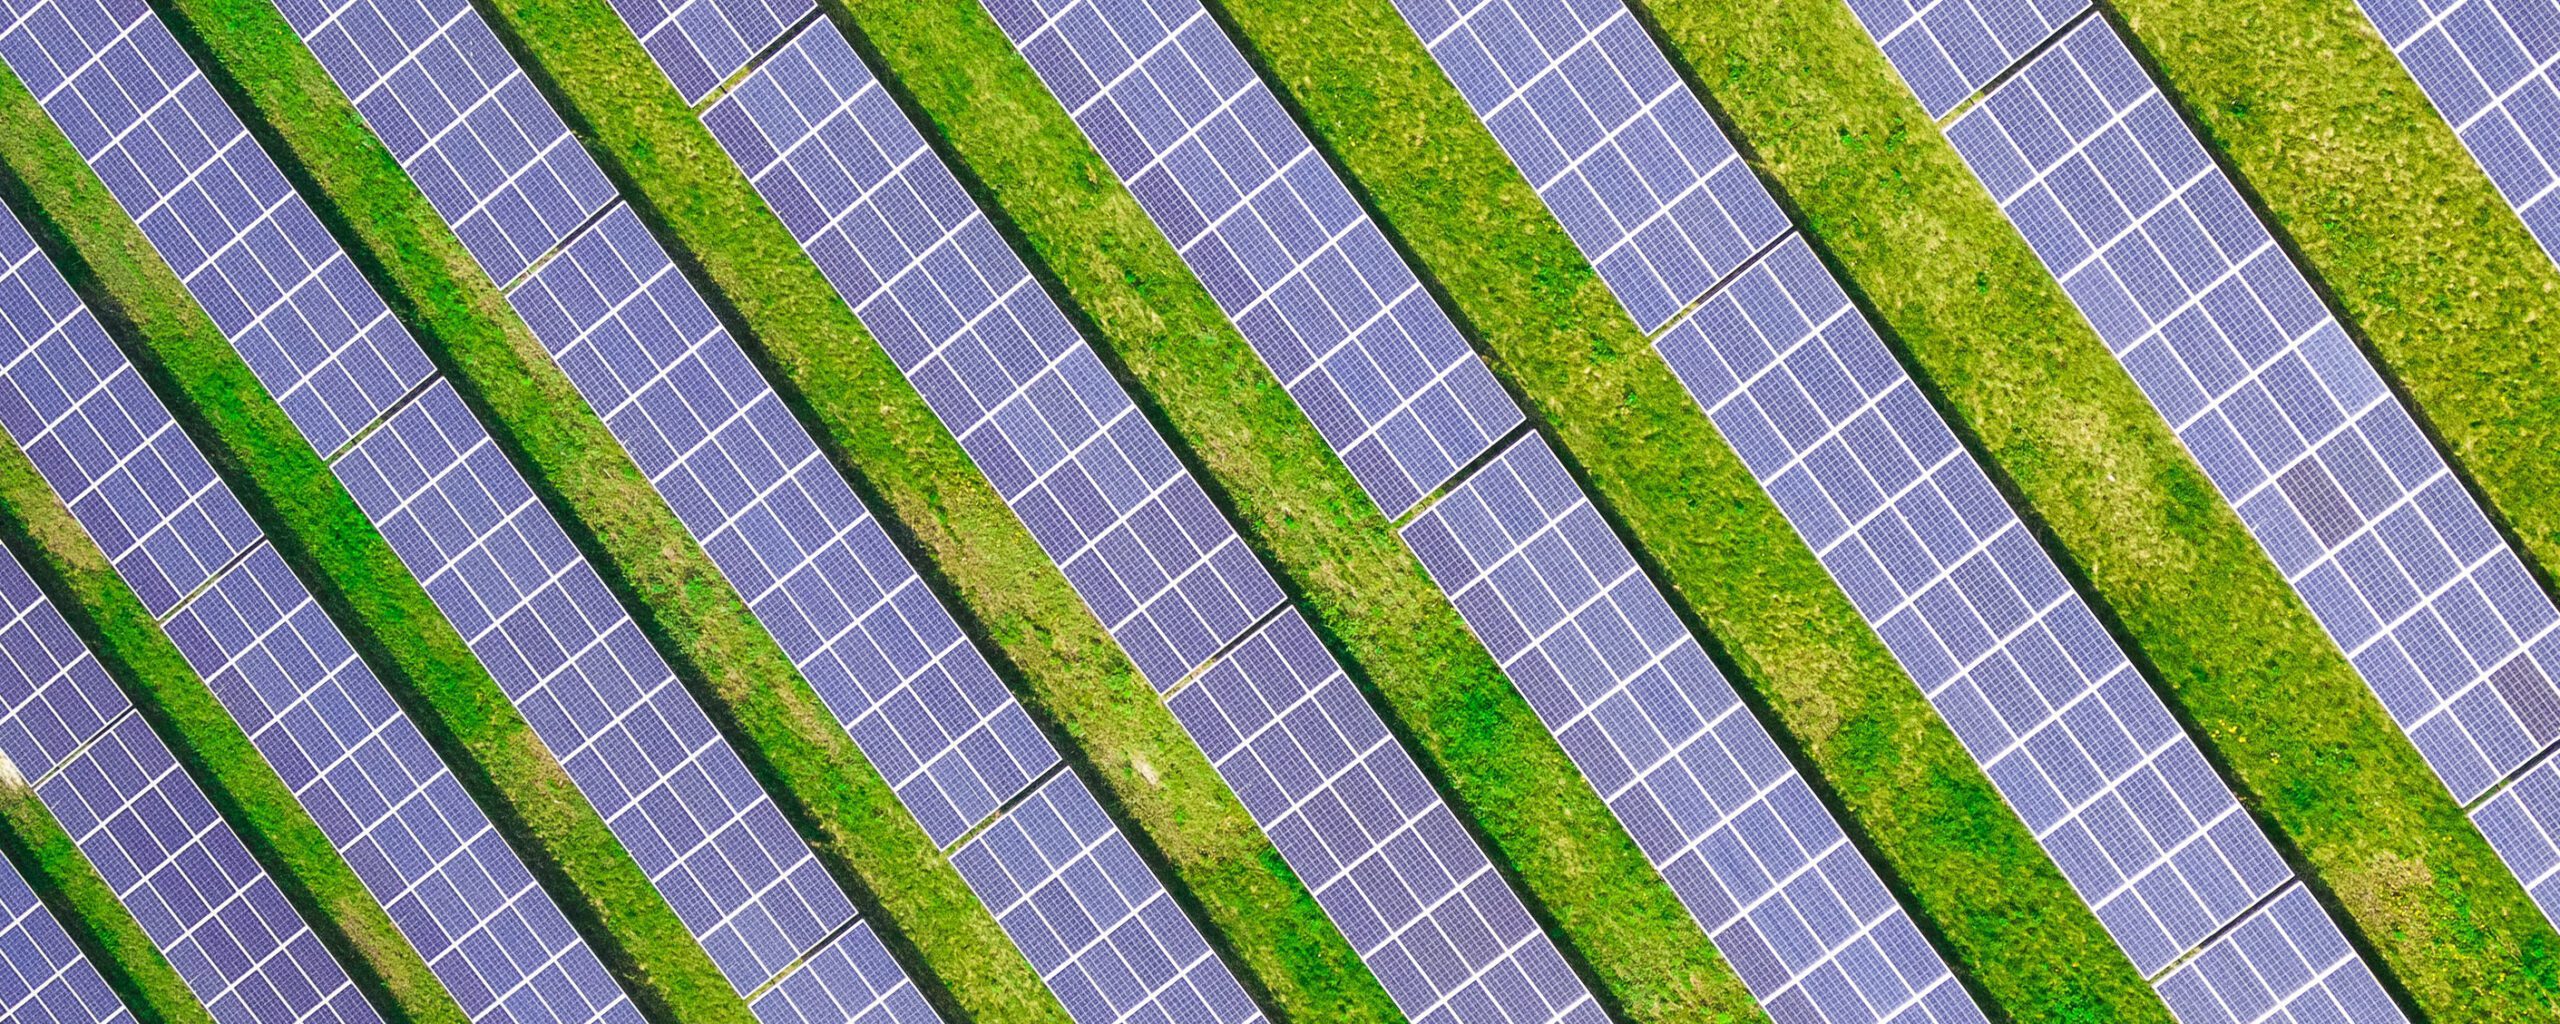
{"points": [[2224, 335]]}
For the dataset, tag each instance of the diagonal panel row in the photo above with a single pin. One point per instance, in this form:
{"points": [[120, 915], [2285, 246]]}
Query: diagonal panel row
{"points": [[993, 356], [44, 978], [700, 44], [2487, 66], [1274, 234], [199, 896], [1664, 738], [1947, 50], [356, 763]]}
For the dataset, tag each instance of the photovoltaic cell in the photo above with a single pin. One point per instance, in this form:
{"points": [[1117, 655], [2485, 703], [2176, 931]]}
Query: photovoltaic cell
{"points": [[2286, 963], [2328, 470], [438, 88], [216, 209], [701, 43], [1352, 815], [44, 978], [1663, 737], [2522, 823], [993, 355], [1093, 920], [2487, 65], [53, 695], [1947, 50], [592, 687], [1621, 151], [1977, 613], [1273, 233], [784, 526], [851, 981], [74, 404]]}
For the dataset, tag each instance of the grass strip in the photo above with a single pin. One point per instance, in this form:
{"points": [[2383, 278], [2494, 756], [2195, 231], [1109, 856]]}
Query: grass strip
{"points": [[355, 576], [2259, 683]]}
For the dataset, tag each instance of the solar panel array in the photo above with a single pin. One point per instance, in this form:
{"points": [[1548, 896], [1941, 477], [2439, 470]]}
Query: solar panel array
{"points": [[2522, 822], [283, 671], [1714, 805], [784, 527], [204, 903], [1354, 818], [702, 43], [474, 133], [1102, 932], [1274, 234], [1947, 50], [44, 978], [2487, 66], [850, 981], [217, 210], [1617, 146], [2285, 963], [995, 358]]}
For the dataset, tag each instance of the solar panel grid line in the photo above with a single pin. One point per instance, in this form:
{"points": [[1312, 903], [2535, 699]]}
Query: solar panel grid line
{"points": [[851, 979], [44, 977], [1948, 50], [2488, 68], [701, 44], [2286, 962]]}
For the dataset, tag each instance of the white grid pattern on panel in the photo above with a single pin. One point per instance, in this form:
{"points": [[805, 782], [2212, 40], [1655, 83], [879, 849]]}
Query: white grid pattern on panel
{"points": [[2488, 67], [1621, 151], [205, 903], [699, 44], [1978, 614], [1946, 50], [850, 981], [785, 528], [437, 87], [1092, 919], [1275, 236], [357, 763], [1663, 737], [2285, 963], [53, 695], [96, 432], [217, 210], [2522, 823], [2226, 338], [593, 688], [44, 978], [1351, 813]]}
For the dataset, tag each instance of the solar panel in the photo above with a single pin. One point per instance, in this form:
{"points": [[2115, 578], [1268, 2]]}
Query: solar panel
{"points": [[2285, 962], [1273, 233], [53, 696], [2487, 66], [438, 88], [851, 981], [1664, 738], [701, 43], [1977, 613], [593, 688], [993, 355], [206, 905], [95, 431], [44, 978], [1947, 50], [1617, 146], [2522, 823], [786, 529], [1352, 815], [216, 208], [1092, 919], [2264, 388]]}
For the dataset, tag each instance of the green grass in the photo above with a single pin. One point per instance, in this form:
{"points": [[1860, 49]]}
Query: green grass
{"points": [[354, 574]]}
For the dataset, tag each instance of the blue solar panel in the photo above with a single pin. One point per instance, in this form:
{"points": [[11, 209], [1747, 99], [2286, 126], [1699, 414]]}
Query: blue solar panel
{"points": [[701, 43], [2286, 962], [783, 526], [1947, 50], [1274, 234], [216, 209], [2487, 65], [1352, 815], [44, 978], [593, 688], [993, 356], [206, 904], [1665, 739], [1101, 930], [2297, 431], [440, 90], [74, 404], [2522, 823], [1976, 612], [1621, 151], [53, 695], [851, 981]]}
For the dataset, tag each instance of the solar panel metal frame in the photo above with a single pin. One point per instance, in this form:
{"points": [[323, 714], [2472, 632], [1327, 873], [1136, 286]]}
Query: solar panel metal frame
{"points": [[2477, 62]]}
